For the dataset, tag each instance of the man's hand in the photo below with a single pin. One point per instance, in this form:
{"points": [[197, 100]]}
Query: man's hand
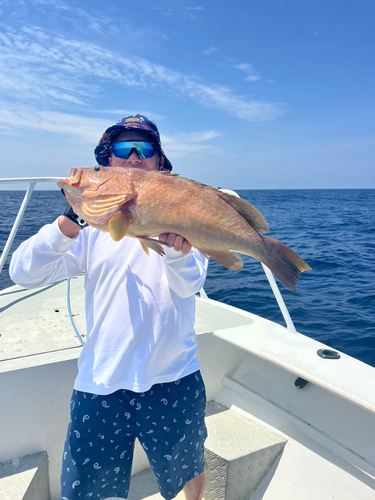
{"points": [[70, 224], [70, 214], [68, 227], [176, 241]]}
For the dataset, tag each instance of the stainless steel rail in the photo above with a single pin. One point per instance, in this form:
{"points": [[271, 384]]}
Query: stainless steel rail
{"points": [[284, 310], [280, 301], [22, 180], [32, 182]]}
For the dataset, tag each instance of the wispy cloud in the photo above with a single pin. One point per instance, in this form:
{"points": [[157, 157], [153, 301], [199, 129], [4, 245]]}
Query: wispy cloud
{"points": [[14, 118], [189, 12], [167, 12], [251, 75], [253, 111], [209, 51], [104, 24], [98, 23], [186, 145], [21, 117], [198, 136], [38, 66]]}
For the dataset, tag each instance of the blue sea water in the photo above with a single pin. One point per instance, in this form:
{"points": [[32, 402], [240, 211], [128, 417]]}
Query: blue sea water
{"points": [[333, 230]]}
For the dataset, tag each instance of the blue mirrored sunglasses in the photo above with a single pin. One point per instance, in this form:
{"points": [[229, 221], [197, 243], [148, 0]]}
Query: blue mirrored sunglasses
{"points": [[124, 149]]}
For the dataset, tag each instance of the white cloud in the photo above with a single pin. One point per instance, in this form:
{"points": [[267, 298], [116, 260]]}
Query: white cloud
{"points": [[97, 23], [209, 51], [252, 78], [184, 145], [249, 70], [27, 118], [197, 136], [36, 66], [252, 111], [84, 129]]}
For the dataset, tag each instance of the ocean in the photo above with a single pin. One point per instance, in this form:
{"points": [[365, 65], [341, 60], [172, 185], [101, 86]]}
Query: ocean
{"points": [[333, 230]]}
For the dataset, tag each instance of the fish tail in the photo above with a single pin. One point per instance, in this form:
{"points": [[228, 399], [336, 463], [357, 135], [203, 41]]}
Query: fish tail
{"points": [[283, 262]]}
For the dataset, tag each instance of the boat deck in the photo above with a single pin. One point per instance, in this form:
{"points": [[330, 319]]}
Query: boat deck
{"points": [[36, 321], [324, 431]]}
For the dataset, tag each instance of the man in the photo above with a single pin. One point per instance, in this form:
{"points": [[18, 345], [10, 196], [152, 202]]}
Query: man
{"points": [[138, 373]]}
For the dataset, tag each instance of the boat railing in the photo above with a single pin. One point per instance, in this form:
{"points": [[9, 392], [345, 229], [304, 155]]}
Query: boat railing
{"points": [[32, 181], [22, 180]]}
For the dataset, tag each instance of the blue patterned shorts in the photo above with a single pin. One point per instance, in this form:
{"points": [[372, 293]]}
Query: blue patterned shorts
{"points": [[168, 420]]}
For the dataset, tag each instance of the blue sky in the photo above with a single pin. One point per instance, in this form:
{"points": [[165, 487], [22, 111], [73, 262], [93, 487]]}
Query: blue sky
{"points": [[246, 94]]}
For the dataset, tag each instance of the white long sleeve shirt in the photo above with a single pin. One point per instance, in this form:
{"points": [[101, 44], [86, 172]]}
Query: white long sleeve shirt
{"points": [[139, 309]]}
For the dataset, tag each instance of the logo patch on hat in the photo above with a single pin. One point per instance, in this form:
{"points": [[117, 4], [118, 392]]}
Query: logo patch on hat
{"points": [[132, 119]]}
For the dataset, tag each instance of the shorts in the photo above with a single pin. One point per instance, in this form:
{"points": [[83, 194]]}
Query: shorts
{"points": [[168, 420]]}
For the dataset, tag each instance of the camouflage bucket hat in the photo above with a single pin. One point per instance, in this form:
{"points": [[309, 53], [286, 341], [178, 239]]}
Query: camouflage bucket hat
{"points": [[135, 122]]}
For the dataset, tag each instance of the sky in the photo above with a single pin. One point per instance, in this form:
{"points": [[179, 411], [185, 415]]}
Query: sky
{"points": [[247, 94]]}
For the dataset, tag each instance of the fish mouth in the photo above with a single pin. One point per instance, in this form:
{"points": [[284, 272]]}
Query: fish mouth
{"points": [[71, 189]]}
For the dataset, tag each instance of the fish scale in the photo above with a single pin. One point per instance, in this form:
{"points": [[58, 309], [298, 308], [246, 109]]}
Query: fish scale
{"points": [[140, 204]]}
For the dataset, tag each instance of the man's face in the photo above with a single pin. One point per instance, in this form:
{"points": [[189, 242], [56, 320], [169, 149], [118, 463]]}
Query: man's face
{"points": [[134, 161]]}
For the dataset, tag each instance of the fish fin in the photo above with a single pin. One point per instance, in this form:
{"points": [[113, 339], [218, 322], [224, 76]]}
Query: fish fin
{"points": [[98, 207], [154, 240], [283, 262], [248, 212], [145, 247], [227, 259], [165, 172], [243, 207], [203, 252], [155, 245], [118, 226]]}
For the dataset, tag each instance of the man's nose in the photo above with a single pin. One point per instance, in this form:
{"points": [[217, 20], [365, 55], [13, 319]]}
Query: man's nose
{"points": [[134, 156]]}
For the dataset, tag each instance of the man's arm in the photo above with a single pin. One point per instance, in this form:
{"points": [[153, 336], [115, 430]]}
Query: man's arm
{"points": [[186, 267], [48, 256], [68, 228]]}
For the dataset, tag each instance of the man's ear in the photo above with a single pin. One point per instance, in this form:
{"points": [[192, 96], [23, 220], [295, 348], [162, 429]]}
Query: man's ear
{"points": [[161, 162], [109, 161]]}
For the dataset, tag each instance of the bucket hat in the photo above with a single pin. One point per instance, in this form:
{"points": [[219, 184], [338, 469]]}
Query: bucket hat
{"points": [[134, 122]]}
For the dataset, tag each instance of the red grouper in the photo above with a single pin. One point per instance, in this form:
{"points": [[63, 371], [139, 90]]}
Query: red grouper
{"points": [[140, 204]]}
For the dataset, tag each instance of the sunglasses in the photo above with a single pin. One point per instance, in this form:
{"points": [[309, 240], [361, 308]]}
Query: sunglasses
{"points": [[124, 149]]}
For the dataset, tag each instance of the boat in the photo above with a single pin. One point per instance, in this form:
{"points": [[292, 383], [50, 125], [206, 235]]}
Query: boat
{"points": [[288, 417]]}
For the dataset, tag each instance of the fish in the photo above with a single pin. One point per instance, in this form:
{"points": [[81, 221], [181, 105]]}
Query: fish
{"points": [[142, 204]]}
